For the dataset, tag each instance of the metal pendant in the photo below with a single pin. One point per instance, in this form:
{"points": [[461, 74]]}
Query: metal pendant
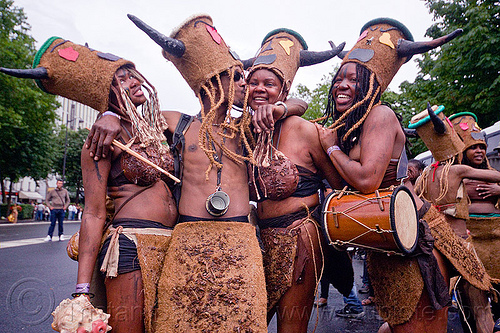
{"points": [[217, 203]]}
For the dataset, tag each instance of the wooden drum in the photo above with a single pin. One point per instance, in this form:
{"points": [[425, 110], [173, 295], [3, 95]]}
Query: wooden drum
{"points": [[384, 221]]}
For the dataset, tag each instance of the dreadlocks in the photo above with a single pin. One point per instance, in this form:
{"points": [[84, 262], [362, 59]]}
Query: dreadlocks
{"points": [[229, 128], [349, 124]]}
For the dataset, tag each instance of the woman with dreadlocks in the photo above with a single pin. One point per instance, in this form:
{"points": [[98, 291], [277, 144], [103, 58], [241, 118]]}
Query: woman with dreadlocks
{"points": [[132, 254], [367, 146], [290, 166], [131, 251], [441, 184]]}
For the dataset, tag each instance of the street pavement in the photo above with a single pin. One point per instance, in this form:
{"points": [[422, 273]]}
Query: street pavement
{"points": [[35, 276]]}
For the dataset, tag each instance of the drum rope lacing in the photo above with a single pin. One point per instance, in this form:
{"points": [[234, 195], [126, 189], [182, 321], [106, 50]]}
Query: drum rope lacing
{"points": [[377, 230]]}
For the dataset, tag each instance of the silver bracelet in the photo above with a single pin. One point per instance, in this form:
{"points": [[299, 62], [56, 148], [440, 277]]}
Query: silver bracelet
{"points": [[278, 103], [331, 149], [111, 113]]}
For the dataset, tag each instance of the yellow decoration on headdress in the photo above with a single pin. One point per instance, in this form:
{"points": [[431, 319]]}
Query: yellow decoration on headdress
{"points": [[386, 39], [286, 45]]}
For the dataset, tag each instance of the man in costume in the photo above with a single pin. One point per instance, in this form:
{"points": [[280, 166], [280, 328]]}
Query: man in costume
{"points": [[367, 147], [441, 184]]}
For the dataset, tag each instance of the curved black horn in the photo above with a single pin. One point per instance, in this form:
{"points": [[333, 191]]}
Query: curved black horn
{"points": [[342, 54], [248, 63], [439, 126], [408, 48], [410, 133], [32, 73], [308, 58], [171, 45]]}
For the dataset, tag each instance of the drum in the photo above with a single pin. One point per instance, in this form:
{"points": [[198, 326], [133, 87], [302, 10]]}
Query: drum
{"points": [[385, 221]]}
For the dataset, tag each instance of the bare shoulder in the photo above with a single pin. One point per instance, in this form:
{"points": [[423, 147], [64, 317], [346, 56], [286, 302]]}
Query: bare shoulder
{"points": [[382, 114], [297, 123], [172, 118]]}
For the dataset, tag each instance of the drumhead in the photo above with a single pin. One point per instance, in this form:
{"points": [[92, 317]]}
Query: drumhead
{"points": [[404, 219], [323, 222]]}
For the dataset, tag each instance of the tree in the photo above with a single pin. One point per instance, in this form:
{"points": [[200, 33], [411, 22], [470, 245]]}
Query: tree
{"points": [[463, 75], [73, 170], [317, 98], [27, 116]]}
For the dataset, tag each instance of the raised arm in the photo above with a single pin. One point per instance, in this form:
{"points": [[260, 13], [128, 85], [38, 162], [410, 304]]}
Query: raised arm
{"points": [[266, 115], [101, 135]]}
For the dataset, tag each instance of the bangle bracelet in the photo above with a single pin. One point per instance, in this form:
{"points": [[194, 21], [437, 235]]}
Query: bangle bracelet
{"points": [[286, 109], [331, 149], [111, 113]]}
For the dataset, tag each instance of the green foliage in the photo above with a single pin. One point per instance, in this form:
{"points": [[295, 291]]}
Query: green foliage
{"points": [[27, 116], [317, 98], [73, 176], [463, 75]]}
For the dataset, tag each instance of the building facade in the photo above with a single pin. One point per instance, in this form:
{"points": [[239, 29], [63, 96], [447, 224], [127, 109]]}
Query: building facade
{"points": [[75, 116]]}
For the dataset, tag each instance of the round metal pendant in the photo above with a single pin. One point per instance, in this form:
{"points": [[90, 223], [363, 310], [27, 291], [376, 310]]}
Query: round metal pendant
{"points": [[217, 203]]}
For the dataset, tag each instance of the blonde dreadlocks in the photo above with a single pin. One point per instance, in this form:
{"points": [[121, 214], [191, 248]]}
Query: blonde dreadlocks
{"points": [[229, 128], [147, 127]]}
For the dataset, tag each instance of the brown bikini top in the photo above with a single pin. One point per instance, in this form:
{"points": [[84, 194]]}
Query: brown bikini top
{"points": [[274, 176], [127, 169]]}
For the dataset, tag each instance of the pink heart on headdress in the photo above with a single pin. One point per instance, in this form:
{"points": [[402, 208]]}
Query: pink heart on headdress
{"points": [[363, 35], [68, 54], [464, 126], [215, 35]]}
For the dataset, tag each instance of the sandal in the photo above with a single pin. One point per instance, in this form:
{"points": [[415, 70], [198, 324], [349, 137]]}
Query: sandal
{"points": [[321, 302], [368, 301]]}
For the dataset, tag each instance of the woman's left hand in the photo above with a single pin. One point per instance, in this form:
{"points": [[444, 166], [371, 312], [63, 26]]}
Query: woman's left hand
{"points": [[327, 137], [263, 119], [488, 190]]}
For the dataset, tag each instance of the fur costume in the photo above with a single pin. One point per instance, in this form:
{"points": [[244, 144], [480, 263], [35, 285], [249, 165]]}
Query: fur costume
{"points": [[215, 280]]}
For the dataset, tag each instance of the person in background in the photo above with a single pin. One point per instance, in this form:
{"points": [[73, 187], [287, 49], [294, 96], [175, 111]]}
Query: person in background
{"points": [[40, 210], [72, 212], [58, 201], [415, 168], [484, 212]]}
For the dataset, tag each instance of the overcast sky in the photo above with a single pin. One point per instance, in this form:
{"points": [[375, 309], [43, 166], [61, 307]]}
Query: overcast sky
{"points": [[104, 25]]}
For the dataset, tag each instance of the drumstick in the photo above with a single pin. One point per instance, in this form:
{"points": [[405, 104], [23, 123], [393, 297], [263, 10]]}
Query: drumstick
{"points": [[380, 204], [145, 160], [342, 192]]}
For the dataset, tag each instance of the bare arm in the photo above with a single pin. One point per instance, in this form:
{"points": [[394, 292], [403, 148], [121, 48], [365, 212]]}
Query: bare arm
{"points": [[266, 115], [465, 171], [95, 177], [107, 128], [376, 148]]}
